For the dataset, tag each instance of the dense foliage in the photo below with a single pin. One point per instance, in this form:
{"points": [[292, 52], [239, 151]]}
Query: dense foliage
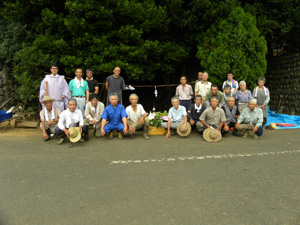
{"points": [[150, 40]]}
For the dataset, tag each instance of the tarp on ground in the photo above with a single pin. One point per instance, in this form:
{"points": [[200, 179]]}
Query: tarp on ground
{"points": [[283, 118]]}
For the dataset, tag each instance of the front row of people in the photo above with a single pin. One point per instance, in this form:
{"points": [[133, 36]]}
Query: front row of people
{"points": [[212, 122]]}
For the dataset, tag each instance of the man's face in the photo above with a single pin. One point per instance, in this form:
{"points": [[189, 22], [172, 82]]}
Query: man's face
{"points": [[48, 105], [175, 103], [72, 106], [214, 103], [204, 77], [183, 80], [198, 101], [230, 76], [200, 76], [78, 73], [117, 71], [54, 70], [94, 102], [243, 87], [230, 102], [89, 74], [214, 90], [133, 100], [227, 91], [113, 100], [251, 106]]}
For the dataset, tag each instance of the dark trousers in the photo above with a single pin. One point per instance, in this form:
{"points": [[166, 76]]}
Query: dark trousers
{"points": [[186, 104], [230, 125]]}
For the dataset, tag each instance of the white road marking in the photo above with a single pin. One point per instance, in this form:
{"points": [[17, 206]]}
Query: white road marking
{"points": [[182, 158]]}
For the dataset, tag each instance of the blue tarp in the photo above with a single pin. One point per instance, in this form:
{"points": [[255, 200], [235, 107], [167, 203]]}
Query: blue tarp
{"points": [[283, 118]]}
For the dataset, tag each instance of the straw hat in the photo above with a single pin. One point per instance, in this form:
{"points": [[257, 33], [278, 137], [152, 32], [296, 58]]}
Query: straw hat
{"points": [[74, 134], [47, 99], [212, 135], [185, 133]]}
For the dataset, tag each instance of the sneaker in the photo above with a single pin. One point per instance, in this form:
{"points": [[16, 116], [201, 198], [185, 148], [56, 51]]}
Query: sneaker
{"points": [[81, 140], [255, 137], [120, 135], [245, 134], [146, 136], [61, 141], [97, 132], [111, 135]]}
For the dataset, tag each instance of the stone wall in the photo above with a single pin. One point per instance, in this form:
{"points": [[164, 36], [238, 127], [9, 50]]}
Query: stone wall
{"points": [[7, 87], [283, 81]]}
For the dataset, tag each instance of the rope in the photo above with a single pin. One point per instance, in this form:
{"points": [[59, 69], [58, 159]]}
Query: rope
{"points": [[160, 85]]}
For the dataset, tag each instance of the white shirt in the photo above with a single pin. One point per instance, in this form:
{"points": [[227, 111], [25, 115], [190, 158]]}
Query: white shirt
{"points": [[202, 88], [69, 119], [135, 116], [234, 84]]}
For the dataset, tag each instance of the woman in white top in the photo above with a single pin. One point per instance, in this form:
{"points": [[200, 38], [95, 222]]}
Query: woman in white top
{"points": [[184, 93], [137, 117]]}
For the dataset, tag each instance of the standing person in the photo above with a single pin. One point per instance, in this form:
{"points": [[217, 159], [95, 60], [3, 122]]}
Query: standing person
{"points": [[79, 90], [203, 86], [137, 117], [115, 84], [49, 118], [184, 92], [93, 112], [195, 112], [176, 115], [93, 84], [227, 92], [71, 117], [57, 88], [262, 95], [116, 116], [214, 93], [243, 96], [199, 78], [233, 83]]}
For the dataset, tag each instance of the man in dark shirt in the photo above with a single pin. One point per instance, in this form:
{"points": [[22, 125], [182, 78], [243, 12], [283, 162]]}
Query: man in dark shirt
{"points": [[93, 84], [232, 114], [195, 112], [115, 84]]}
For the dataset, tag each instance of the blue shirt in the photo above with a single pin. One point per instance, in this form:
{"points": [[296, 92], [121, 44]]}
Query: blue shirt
{"points": [[177, 115], [114, 115]]}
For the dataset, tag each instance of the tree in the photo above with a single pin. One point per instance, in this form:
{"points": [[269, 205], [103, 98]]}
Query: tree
{"points": [[233, 44]]}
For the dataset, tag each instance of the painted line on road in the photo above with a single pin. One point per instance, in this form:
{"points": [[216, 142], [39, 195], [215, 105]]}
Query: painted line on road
{"points": [[182, 158]]}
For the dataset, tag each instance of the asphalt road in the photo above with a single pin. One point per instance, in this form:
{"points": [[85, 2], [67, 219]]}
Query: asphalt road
{"points": [[182, 181]]}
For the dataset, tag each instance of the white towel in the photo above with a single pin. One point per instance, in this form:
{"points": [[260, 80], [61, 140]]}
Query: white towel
{"points": [[264, 89], [78, 83], [52, 114]]}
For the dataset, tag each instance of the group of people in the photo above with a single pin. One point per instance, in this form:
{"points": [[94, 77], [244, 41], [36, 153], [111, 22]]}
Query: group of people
{"points": [[69, 109]]}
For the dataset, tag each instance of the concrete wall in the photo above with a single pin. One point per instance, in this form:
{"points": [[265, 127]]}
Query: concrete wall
{"points": [[283, 81]]}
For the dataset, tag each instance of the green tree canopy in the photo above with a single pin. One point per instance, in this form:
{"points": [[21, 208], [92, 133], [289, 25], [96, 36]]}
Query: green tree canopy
{"points": [[233, 44]]}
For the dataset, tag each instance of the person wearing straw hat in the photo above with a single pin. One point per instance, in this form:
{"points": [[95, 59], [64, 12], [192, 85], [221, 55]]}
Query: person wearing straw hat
{"points": [[213, 117], [93, 112], [195, 112], [49, 117], [177, 119], [137, 117], [56, 86], [251, 119], [116, 116], [71, 117]]}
